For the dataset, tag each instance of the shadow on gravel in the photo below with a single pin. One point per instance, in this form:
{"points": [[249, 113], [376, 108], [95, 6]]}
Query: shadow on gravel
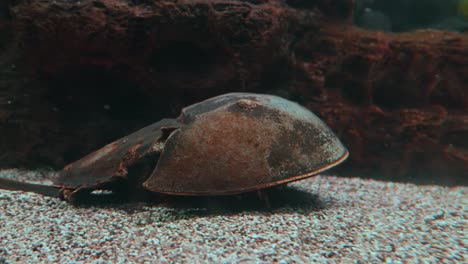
{"points": [[273, 200]]}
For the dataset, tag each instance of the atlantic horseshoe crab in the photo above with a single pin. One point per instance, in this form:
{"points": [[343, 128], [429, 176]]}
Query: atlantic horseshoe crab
{"points": [[229, 144]]}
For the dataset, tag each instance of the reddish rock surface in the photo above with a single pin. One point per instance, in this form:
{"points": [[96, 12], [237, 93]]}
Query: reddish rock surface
{"points": [[75, 75]]}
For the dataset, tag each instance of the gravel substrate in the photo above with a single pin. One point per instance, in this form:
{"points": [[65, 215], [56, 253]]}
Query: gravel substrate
{"points": [[324, 218]]}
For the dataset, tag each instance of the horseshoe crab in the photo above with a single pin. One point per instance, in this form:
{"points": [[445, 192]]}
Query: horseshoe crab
{"points": [[229, 144]]}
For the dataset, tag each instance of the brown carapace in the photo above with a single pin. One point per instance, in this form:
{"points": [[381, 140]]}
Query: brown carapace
{"points": [[229, 144]]}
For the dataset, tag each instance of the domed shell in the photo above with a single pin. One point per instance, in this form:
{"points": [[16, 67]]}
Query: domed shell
{"points": [[241, 142]]}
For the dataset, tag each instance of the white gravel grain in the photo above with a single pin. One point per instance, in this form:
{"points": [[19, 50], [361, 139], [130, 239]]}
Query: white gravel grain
{"points": [[343, 220]]}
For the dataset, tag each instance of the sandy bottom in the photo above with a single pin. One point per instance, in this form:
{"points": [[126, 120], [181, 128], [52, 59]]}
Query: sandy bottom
{"points": [[347, 220]]}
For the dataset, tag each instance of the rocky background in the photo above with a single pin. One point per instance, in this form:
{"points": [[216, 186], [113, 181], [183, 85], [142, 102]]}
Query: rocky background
{"points": [[75, 75], [406, 15]]}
